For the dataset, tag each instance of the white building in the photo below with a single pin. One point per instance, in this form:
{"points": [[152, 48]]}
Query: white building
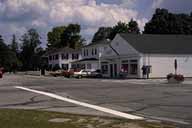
{"points": [[63, 57], [91, 55], [128, 53]]}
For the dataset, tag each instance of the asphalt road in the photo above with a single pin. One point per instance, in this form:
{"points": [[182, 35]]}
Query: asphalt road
{"points": [[151, 98]]}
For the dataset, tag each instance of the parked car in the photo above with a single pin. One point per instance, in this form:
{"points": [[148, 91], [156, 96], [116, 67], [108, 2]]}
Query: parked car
{"points": [[96, 74], [68, 73], [56, 73], [81, 74]]}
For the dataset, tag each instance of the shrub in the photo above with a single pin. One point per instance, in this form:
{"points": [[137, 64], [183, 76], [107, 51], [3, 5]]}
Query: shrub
{"points": [[177, 77]]}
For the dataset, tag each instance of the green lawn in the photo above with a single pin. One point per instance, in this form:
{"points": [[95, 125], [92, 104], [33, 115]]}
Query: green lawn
{"points": [[10, 118]]}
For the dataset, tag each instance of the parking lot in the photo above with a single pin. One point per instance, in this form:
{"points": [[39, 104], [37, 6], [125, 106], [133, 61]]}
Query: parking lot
{"points": [[152, 99]]}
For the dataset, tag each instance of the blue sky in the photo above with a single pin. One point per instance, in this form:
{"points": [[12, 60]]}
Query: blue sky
{"points": [[17, 16]]}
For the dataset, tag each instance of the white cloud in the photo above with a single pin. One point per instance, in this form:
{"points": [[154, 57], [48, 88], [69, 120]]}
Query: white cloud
{"points": [[128, 3], [157, 3], [44, 14]]}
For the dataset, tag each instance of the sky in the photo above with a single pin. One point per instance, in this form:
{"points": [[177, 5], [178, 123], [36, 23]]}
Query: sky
{"points": [[17, 16]]}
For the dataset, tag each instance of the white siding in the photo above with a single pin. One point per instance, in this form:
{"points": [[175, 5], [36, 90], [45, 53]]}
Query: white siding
{"points": [[163, 65], [96, 49], [61, 61], [123, 47]]}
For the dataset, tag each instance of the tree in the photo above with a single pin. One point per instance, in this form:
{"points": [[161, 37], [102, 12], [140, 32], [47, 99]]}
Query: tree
{"points": [[119, 28], [3, 46], [14, 45], [102, 33], [54, 37], [164, 22], [65, 36], [37, 58], [133, 27], [7, 57], [71, 36], [30, 42]]}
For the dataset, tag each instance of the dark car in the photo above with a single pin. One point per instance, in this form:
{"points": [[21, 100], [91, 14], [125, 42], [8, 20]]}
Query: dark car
{"points": [[96, 74]]}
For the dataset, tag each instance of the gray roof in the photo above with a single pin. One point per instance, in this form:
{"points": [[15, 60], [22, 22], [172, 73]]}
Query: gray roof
{"points": [[66, 49], [101, 42], [87, 59], [160, 44]]}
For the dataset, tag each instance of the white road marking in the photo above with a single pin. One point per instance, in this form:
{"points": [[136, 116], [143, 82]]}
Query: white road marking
{"points": [[106, 110]]}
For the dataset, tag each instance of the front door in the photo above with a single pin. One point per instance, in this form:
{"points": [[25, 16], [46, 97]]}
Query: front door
{"points": [[111, 70], [115, 69]]}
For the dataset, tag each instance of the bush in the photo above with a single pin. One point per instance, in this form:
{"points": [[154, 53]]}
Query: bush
{"points": [[177, 77]]}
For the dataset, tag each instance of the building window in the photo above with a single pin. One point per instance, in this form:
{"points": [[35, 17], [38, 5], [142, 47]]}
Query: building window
{"points": [[104, 68], [78, 66], [89, 66], [92, 51], [133, 67], [133, 61], [125, 66], [75, 56], [95, 51], [56, 57], [65, 56], [84, 52], [50, 57], [65, 66], [83, 66], [87, 52]]}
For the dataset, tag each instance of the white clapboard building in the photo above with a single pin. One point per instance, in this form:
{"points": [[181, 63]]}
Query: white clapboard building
{"points": [[128, 53], [62, 57], [91, 55]]}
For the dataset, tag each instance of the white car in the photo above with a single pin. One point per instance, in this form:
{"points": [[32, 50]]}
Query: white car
{"points": [[81, 73]]}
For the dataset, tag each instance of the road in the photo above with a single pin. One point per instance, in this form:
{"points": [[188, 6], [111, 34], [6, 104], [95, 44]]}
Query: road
{"points": [[151, 98]]}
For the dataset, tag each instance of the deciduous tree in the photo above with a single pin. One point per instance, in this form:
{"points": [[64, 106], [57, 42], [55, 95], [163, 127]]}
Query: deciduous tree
{"points": [[164, 22]]}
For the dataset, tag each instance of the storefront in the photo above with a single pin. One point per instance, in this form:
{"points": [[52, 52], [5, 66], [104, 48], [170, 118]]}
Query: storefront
{"points": [[121, 68]]}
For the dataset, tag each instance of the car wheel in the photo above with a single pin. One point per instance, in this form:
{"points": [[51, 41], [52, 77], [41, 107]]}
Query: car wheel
{"points": [[79, 76]]}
